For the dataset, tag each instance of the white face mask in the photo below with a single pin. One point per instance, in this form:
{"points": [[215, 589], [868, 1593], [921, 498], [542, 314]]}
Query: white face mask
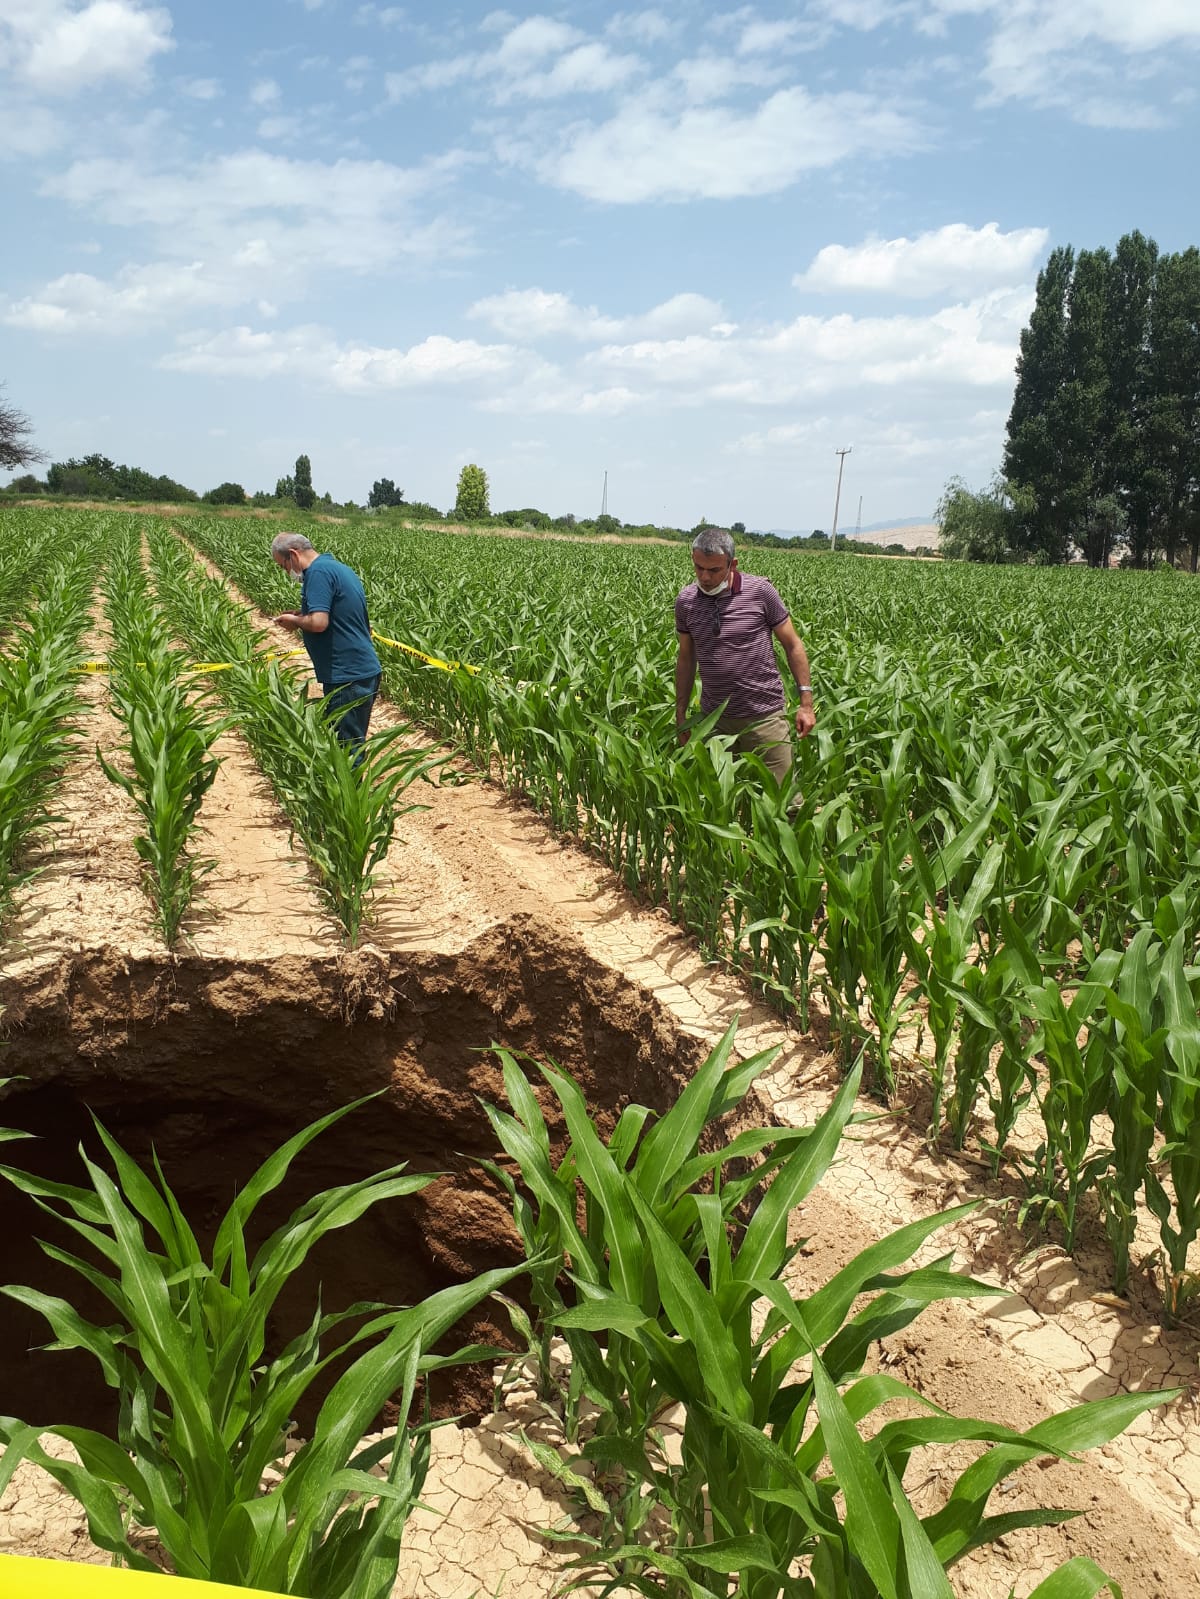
{"points": [[296, 577], [712, 593]]}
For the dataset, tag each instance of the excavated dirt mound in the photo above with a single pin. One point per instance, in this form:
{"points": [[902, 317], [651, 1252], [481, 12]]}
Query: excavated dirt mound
{"points": [[490, 930]]}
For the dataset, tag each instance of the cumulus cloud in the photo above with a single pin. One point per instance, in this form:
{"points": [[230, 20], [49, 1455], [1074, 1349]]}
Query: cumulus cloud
{"points": [[27, 130], [200, 88], [956, 258], [644, 27], [1053, 51], [58, 48], [351, 215], [314, 354], [247, 228], [136, 300], [538, 58], [528, 315], [972, 344], [718, 152]]}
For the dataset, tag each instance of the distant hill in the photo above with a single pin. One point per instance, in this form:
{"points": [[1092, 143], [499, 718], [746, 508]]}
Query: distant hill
{"points": [[896, 522]]}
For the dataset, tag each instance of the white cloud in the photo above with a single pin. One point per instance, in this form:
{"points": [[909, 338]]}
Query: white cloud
{"points": [[771, 38], [280, 127], [60, 49], [1051, 51], [972, 344], [385, 16], [265, 92], [27, 130], [644, 27], [313, 354], [645, 153], [244, 229], [536, 59], [138, 299], [528, 315], [866, 15], [707, 78], [956, 258], [200, 88], [351, 215]]}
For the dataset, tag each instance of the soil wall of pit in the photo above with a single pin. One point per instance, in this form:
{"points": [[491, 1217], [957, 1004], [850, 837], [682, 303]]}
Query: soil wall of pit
{"points": [[214, 1064]]}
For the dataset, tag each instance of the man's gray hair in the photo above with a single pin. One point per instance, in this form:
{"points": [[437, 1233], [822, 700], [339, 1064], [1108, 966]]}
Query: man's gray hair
{"points": [[714, 541], [289, 541]]}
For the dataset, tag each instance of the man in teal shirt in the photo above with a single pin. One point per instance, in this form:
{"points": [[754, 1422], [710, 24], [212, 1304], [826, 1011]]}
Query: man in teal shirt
{"points": [[337, 632]]}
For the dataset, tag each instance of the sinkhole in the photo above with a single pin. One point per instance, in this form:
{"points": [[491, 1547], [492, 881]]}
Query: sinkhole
{"points": [[214, 1064]]}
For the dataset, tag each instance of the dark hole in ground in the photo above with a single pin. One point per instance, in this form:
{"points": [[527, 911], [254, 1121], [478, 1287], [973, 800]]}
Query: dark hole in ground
{"points": [[214, 1066]]}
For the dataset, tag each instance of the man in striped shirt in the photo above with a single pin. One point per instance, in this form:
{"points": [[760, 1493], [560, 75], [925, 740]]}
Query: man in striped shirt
{"points": [[726, 622]]}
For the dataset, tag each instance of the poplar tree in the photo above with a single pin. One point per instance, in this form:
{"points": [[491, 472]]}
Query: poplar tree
{"points": [[302, 490], [1032, 456], [1171, 428]]}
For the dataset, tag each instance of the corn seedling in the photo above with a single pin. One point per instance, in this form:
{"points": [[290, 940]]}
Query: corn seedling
{"points": [[776, 1490], [206, 1407]]}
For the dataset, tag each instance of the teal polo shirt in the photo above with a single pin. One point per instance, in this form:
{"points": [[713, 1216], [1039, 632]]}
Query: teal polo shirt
{"points": [[343, 653]]}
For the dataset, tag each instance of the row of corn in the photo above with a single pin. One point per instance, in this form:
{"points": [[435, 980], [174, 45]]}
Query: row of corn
{"points": [[343, 809], [39, 684], [170, 730]]}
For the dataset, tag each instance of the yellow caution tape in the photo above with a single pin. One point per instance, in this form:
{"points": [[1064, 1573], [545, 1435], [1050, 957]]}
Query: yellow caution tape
{"points": [[430, 660], [64, 1579], [278, 655], [199, 666]]}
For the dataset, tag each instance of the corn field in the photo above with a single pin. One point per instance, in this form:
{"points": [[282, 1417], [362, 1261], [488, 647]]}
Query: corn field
{"points": [[991, 842], [982, 876], [985, 864]]}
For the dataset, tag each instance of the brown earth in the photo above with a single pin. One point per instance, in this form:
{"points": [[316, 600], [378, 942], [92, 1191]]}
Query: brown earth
{"points": [[488, 928]]}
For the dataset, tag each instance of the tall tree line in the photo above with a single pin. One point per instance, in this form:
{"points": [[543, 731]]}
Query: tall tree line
{"points": [[1103, 442]]}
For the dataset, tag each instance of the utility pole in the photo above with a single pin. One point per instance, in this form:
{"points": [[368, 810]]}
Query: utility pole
{"points": [[604, 497], [841, 455], [858, 524]]}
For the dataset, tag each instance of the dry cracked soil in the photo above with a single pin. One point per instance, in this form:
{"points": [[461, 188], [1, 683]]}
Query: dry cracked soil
{"points": [[488, 929]]}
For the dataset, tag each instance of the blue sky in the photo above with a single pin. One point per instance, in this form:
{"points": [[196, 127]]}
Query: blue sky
{"points": [[696, 248]]}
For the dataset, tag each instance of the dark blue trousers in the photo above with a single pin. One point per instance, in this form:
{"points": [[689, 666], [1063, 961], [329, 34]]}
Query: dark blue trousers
{"points": [[349, 704]]}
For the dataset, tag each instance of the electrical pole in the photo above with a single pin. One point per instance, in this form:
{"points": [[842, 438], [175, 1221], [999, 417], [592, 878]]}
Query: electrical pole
{"points": [[858, 524], [841, 455], [604, 497]]}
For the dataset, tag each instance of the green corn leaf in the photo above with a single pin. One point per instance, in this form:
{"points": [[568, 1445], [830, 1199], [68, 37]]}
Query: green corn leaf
{"points": [[763, 1246], [1078, 1579]]}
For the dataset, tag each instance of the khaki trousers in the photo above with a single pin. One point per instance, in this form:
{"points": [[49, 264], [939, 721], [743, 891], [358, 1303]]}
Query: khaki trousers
{"points": [[770, 737]]}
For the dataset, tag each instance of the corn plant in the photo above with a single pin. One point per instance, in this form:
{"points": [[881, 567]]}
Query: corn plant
{"points": [[205, 1407], [1178, 1212], [170, 732], [776, 1489], [39, 700], [1074, 1093]]}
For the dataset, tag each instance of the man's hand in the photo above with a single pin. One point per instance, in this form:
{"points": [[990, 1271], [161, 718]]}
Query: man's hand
{"points": [[683, 733], [292, 620], [806, 720]]}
